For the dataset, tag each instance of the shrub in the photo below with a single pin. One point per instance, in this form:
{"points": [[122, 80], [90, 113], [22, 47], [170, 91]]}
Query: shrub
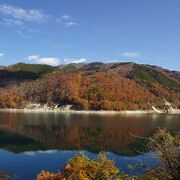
{"points": [[167, 150], [82, 168]]}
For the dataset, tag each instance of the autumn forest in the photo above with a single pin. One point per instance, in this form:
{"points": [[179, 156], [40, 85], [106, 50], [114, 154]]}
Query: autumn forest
{"points": [[94, 86]]}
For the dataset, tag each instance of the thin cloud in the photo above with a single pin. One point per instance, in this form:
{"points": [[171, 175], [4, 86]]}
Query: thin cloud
{"points": [[23, 19], [131, 55], [2, 55], [67, 20], [11, 22], [34, 153], [65, 17], [71, 60], [70, 24], [30, 15], [53, 61]]}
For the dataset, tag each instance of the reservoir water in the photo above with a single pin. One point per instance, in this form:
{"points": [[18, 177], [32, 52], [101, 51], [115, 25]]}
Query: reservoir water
{"points": [[31, 142]]}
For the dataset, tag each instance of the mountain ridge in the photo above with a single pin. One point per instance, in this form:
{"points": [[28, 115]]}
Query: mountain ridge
{"points": [[94, 86]]}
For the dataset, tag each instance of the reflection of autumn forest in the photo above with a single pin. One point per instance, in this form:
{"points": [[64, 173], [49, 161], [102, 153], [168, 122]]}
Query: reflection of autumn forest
{"points": [[69, 138], [22, 132], [114, 86]]}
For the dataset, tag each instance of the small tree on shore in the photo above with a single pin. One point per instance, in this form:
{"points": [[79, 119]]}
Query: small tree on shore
{"points": [[82, 168], [167, 150]]}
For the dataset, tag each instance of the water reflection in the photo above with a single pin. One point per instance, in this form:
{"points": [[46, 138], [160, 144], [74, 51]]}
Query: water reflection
{"points": [[21, 132]]}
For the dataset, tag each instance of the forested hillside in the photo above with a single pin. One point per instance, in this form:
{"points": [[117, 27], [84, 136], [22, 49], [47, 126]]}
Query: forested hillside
{"points": [[22, 72], [94, 86]]}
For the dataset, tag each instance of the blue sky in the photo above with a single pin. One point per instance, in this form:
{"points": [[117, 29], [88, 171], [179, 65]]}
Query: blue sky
{"points": [[65, 31]]}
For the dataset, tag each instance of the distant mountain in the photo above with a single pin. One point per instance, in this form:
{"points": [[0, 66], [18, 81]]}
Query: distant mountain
{"points": [[2, 67], [72, 66], [112, 86], [168, 79], [8, 77], [22, 72], [125, 68], [32, 68]]}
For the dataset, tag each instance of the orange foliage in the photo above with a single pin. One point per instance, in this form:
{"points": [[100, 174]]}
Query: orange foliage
{"points": [[94, 90]]}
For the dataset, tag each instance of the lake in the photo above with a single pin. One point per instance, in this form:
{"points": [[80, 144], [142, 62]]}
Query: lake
{"points": [[31, 142]]}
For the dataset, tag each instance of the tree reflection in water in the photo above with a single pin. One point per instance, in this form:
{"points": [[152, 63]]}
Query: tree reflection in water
{"points": [[21, 132]]}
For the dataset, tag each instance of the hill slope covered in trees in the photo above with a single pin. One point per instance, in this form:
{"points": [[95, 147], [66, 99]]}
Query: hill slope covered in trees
{"points": [[94, 86]]}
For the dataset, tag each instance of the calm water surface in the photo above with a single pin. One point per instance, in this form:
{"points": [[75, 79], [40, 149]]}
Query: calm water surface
{"points": [[30, 142]]}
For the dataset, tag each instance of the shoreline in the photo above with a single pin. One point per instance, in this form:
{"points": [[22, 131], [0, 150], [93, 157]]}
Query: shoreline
{"points": [[126, 112], [78, 111]]}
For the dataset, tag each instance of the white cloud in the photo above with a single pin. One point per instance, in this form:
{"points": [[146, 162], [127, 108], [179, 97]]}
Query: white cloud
{"points": [[34, 153], [65, 17], [131, 55], [2, 55], [30, 15], [11, 22], [67, 20], [71, 60], [16, 17], [48, 151], [23, 19], [32, 58], [70, 24], [30, 153], [53, 61]]}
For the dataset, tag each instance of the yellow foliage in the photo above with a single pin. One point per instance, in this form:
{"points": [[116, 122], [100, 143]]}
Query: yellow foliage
{"points": [[49, 176], [82, 168]]}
